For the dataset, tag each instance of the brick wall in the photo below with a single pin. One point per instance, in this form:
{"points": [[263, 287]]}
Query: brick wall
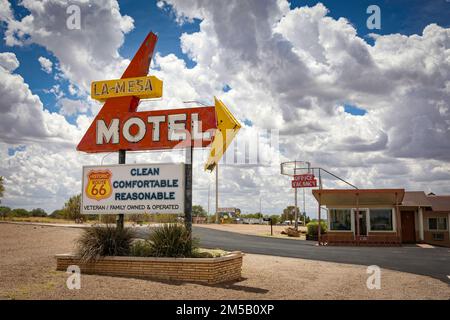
{"points": [[208, 270]]}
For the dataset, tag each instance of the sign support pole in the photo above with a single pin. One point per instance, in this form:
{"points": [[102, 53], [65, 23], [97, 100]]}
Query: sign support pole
{"points": [[217, 193], [120, 216], [304, 209], [296, 211], [296, 208], [188, 188]]}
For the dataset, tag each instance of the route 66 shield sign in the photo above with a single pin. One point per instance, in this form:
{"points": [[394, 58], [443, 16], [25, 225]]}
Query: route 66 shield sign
{"points": [[99, 184]]}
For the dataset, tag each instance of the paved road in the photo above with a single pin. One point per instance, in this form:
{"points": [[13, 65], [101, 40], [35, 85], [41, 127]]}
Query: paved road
{"points": [[434, 262]]}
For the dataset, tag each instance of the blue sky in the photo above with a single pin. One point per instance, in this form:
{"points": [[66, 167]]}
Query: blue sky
{"points": [[398, 16]]}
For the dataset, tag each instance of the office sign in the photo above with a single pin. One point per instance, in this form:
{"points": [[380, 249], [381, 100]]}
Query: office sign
{"points": [[138, 188], [304, 181]]}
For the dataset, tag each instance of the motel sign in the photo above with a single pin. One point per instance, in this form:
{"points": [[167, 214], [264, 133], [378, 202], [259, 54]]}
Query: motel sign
{"points": [[120, 127]]}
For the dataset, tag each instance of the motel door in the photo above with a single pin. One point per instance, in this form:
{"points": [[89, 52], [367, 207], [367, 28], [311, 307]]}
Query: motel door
{"points": [[408, 230], [361, 219]]}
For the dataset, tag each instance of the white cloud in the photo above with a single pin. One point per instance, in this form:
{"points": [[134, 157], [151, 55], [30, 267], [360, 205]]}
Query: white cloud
{"points": [[6, 13], [8, 61], [23, 117], [84, 55], [46, 64]]}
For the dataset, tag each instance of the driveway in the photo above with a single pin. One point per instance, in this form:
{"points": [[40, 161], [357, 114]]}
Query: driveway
{"points": [[434, 262]]}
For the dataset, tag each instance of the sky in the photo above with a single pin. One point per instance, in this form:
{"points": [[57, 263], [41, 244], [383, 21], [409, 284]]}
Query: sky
{"points": [[308, 81]]}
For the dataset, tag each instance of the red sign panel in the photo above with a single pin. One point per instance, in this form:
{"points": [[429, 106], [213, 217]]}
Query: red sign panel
{"points": [[150, 130], [304, 181]]}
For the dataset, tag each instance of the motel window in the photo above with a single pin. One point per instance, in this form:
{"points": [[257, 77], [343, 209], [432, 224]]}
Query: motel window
{"points": [[340, 219], [437, 224], [381, 220]]}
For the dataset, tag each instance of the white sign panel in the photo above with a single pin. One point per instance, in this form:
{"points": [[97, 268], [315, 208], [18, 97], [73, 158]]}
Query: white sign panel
{"points": [[133, 188]]}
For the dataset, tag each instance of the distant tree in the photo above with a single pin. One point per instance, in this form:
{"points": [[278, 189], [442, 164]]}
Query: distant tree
{"points": [[288, 214], [275, 218], [20, 213], [38, 212], [5, 211], [198, 211], [72, 208], [257, 215], [58, 214], [2, 189]]}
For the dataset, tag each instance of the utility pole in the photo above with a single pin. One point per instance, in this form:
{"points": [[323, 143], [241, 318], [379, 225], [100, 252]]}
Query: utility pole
{"points": [[120, 216], [260, 205], [217, 193]]}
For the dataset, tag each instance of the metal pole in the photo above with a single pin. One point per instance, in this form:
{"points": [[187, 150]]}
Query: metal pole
{"points": [[320, 179], [357, 218], [120, 216], [188, 188], [296, 209], [318, 226], [217, 193], [260, 205], [304, 208], [209, 191]]}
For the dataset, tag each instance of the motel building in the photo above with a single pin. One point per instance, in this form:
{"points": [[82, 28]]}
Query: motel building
{"points": [[383, 217]]}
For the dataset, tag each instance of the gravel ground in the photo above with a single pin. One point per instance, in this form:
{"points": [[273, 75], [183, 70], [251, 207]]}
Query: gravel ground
{"points": [[27, 271]]}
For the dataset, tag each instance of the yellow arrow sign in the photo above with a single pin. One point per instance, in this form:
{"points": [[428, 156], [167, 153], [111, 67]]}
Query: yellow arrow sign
{"points": [[141, 87], [227, 128]]}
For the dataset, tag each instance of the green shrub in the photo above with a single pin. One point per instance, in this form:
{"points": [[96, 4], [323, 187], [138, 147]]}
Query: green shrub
{"points": [[141, 248], [171, 240], [108, 218], [208, 253], [20, 213], [313, 227], [99, 241]]}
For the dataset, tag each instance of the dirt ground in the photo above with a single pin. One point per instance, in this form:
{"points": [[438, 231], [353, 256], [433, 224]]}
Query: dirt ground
{"points": [[251, 229], [27, 271]]}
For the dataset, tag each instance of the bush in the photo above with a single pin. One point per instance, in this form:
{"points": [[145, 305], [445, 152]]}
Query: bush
{"points": [[171, 240], [57, 214], [38, 212], [163, 218], [5, 211], [20, 213], [141, 248], [99, 241], [108, 218], [313, 227]]}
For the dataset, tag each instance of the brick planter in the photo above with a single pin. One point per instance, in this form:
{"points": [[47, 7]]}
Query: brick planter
{"points": [[207, 270]]}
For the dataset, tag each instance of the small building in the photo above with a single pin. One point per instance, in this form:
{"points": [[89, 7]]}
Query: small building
{"points": [[199, 220], [384, 217]]}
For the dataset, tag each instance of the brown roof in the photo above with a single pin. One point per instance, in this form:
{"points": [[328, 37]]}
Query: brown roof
{"points": [[440, 203], [361, 197], [415, 199]]}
